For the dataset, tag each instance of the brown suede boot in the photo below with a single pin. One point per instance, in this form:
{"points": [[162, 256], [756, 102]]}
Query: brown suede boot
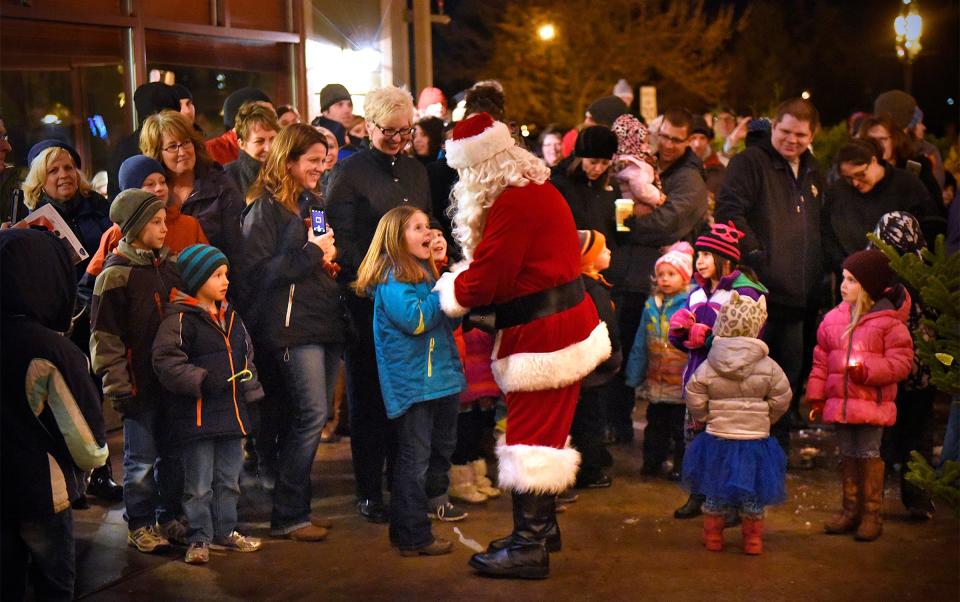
{"points": [[849, 517], [871, 474], [752, 529], [713, 532]]}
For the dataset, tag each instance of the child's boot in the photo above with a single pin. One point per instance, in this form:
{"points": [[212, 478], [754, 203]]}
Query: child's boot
{"points": [[849, 517], [484, 484], [713, 532], [752, 529], [871, 474], [462, 485]]}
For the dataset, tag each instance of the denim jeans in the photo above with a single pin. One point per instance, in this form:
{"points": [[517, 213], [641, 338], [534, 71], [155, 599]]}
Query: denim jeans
{"points": [[151, 484], [426, 437], [310, 372], [211, 487], [43, 548]]}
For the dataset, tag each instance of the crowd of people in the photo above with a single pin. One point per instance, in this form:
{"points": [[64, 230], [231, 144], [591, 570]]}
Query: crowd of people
{"points": [[459, 286]]}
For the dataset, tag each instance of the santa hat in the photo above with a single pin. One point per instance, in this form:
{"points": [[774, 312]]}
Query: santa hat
{"points": [[680, 256], [476, 139]]}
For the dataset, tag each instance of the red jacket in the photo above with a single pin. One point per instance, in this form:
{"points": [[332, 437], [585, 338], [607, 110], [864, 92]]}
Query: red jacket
{"points": [[881, 343], [225, 148]]}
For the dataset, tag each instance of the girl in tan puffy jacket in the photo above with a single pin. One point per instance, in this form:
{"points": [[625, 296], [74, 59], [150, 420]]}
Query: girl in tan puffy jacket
{"points": [[738, 392]]}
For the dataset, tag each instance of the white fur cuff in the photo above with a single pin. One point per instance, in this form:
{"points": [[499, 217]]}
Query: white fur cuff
{"points": [[553, 370], [448, 296], [537, 468]]}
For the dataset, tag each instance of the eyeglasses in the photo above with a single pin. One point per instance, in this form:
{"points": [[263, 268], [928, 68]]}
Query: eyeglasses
{"points": [[175, 147], [859, 176], [391, 132], [664, 137]]}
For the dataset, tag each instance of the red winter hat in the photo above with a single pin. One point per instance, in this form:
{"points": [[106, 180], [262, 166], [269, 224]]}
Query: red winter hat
{"points": [[872, 270], [476, 139], [431, 96]]}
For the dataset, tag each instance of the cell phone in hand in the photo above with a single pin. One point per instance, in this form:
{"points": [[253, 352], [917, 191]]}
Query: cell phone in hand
{"points": [[318, 220]]}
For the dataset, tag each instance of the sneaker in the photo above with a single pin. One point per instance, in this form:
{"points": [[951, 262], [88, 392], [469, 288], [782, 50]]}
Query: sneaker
{"points": [[435, 548], [174, 531], [197, 553], [308, 533], [147, 540], [447, 513], [239, 543]]}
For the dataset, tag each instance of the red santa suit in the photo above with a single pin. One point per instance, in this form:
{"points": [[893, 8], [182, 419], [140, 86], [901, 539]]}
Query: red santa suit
{"points": [[529, 246]]}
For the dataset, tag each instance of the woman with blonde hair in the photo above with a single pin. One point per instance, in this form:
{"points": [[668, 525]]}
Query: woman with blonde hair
{"points": [[364, 187], [294, 314], [55, 179], [198, 186]]}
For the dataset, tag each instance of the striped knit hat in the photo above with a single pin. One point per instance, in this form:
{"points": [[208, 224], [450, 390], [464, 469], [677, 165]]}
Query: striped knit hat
{"points": [[197, 263], [723, 239], [132, 210], [592, 244]]}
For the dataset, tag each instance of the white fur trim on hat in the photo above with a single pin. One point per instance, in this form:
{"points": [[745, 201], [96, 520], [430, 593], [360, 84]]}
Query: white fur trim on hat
{"points": [[467, 152], [554, 369], [448, 295], [536, 468]]}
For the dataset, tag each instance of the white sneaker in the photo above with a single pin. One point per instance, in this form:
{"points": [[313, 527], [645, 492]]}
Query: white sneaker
{"points": [[147, 540], [197, 553], [238, 543]]}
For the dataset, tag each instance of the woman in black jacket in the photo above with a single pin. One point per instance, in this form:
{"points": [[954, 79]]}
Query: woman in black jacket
{"points": [[584, 181], [292, 303], [363, 188]]}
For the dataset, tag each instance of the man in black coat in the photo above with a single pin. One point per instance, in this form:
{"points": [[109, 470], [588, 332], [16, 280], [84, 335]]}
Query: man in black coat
{"points": [[51, 425], [773, 192]]}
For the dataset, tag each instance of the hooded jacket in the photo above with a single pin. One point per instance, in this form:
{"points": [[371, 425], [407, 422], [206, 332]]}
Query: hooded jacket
{"points": [[881, 343], [654, 362], [51, 424], [289, 298], [417, 358], [195, 357], [129, 300], [780, 216], [739, 391], [679, 218]]}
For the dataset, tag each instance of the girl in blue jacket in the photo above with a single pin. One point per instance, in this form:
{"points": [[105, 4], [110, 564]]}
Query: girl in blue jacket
{"points": [[420, 374]]}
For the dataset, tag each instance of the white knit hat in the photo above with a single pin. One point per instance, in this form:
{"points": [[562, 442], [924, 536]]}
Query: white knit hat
{"points": [[476, 139]]}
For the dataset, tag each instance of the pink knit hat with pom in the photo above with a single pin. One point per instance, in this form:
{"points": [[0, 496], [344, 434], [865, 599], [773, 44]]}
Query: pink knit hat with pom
{"points": [[680, 256]]}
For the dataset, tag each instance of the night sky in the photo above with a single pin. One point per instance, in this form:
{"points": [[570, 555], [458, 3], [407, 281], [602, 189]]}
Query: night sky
{"points": [[862, 32]]}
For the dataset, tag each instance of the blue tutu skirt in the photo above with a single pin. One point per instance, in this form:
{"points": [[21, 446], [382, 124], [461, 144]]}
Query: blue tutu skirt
{"points": [[733, 472]]}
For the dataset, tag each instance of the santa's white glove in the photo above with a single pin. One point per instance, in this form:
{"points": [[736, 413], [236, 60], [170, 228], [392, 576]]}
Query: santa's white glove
{"points": [[448, 297]]}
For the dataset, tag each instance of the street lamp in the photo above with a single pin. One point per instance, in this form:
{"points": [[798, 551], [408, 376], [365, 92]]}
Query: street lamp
{"points": [[547, 32], [908, 26]]}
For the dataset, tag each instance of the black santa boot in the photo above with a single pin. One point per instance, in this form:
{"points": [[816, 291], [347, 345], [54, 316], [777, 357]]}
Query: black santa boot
{"points": [[526, 555], [551, 534]]}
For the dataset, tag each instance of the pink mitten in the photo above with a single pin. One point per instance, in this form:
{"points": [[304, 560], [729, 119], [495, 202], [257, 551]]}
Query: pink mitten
{"points": [[682, 320], [697, 336]]}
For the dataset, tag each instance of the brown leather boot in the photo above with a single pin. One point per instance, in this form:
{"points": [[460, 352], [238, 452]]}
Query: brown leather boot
{"points": [[871, 474], [849, 517]]}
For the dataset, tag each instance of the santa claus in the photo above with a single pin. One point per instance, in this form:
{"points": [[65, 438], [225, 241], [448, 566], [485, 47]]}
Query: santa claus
{"points": [[523, 261]]}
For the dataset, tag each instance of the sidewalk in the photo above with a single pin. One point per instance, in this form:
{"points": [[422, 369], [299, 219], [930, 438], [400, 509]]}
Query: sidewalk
{"points": [[619, 544]]}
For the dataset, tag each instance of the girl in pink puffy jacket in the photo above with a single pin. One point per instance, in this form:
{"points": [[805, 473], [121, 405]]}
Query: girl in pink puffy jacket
{"points": [[863, 350]]}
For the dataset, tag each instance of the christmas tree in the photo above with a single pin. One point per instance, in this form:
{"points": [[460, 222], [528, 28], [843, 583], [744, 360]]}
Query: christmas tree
{"points": [[936, 276]]}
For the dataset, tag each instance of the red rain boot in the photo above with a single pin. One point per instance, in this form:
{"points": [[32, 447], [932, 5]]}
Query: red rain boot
{"points": [[713, 532]]}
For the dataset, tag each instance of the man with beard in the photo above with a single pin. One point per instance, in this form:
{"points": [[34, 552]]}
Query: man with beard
{"points": [[518, 235]]}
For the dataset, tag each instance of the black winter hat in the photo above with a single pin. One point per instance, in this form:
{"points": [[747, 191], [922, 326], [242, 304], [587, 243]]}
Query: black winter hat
{"points": [[596, 142], [605, 110], [149, 99], [233, 103], [872, 270], [699, 126], [43, 145], [332, 93], [182, 91]]}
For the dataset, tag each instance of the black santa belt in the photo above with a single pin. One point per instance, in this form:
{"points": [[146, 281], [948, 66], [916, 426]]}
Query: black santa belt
{"points": [[528, 308]]}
